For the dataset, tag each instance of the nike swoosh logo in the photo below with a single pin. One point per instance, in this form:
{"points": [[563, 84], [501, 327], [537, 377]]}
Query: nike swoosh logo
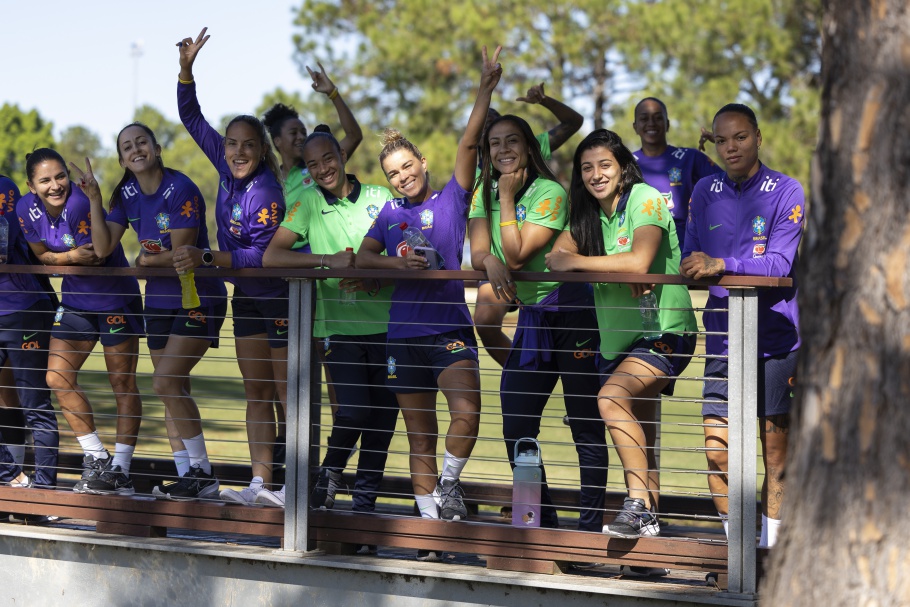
{"points": [[113, 330], [458, 350], [579, 344], [280, 332], [324, 212], [132, 219], [28, 337], [192, 326], [394, 225], [715, 227]]}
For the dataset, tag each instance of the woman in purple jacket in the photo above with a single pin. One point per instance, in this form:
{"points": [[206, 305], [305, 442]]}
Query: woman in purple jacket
{"points": [[249, 208], [166, 210]]}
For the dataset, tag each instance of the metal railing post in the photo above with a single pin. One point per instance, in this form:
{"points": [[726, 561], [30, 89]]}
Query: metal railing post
{"points": [[297, 460], [742, 428]]}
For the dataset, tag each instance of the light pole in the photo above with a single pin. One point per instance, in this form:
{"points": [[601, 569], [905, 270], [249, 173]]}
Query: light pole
{"points": [[136, 50]]}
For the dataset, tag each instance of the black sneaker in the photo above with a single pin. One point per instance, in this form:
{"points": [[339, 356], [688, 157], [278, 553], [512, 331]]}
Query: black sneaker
{"points": [[450, 497], [194, 484], [631, 571], [633, 521], [112, 480], [430, 556], [367, 549], [323, 495], [91, 470], [160, 491]]}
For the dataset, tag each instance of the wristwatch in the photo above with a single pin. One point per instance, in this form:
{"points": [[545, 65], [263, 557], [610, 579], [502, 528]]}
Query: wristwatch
{"points": [[208, 258]]}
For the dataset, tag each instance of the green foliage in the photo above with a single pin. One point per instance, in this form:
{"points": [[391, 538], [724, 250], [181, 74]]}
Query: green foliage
{"points": [[413, 65], [20, 133]]}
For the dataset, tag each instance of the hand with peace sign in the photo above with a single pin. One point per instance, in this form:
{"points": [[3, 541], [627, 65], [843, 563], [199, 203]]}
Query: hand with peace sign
{"points": [[491, 71], [87, 182], [189, 48], [321, 81]]}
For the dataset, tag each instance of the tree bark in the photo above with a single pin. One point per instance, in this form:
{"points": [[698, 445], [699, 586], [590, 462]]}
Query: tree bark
{"points": [[846, 534]]}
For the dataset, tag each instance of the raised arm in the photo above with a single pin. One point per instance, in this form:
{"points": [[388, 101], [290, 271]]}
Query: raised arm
{"points": [[466, 159], [206, 137], [106, 235], [569, 120], [353, 135]]}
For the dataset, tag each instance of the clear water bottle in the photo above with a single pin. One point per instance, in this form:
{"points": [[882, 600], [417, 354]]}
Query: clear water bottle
{"points": [[189, 296], [419, 243], [348, 298], [4, 238], [650, 315], [527, 477]]}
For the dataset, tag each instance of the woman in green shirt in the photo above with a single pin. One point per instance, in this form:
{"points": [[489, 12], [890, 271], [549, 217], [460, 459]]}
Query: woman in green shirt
{"points": [[617, 223]]}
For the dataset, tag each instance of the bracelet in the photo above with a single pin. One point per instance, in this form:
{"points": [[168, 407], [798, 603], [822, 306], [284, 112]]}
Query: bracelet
{"points": [[182, 81], [333, 94], [322, 261], [503, 224]]}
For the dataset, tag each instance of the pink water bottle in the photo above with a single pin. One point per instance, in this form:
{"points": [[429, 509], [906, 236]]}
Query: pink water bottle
{"points": [[527, 477]]}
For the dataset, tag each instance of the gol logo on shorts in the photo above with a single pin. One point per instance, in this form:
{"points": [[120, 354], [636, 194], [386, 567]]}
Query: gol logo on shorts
{"points": [[116, 320], [197, 316], [586, 353], [30, 345], [281, 322], [455, 345], [663, 347]]}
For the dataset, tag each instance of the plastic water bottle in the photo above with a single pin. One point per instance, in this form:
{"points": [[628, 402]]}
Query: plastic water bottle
{"points": [[416, 240], [4, 238], [650, 315], [527, 477], [348, 298], [189, 296]]}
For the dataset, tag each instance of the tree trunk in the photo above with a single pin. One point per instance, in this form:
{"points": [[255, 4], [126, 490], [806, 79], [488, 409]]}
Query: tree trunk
{"points": [[846, 535]]}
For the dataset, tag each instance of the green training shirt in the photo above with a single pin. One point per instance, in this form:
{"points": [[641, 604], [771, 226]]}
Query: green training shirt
{"points": [[618, 316], [330, 225], [541, 202]]}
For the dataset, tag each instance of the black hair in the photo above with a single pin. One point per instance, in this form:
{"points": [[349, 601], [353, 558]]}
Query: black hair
{"points": [[268, 156], [323, 132], [36, 157], [584, 209], [738, 108], [662, 105], [536, 160], [276, 116], [117, 194]]}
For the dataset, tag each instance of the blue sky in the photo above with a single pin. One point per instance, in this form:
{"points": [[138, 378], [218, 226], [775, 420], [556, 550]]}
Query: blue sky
{"points": [[72, 61]]}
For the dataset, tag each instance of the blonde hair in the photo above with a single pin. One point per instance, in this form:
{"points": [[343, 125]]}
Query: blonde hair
{"points": [[392, 141]]}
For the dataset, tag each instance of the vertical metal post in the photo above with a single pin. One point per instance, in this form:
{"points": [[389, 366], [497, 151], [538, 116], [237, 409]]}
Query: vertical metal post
{"points": [[297, 460], [742, 428]]}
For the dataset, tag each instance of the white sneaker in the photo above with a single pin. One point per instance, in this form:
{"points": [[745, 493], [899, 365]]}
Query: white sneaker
{"points": [[271, 498], [22, 484], [246, 496]]}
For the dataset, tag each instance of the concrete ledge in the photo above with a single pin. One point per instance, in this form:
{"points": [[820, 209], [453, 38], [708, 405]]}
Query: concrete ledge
{"points": [[46, 566]]}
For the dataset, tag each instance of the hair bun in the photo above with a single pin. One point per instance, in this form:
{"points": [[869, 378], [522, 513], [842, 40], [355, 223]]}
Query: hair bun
{"points": [[322, 128], [390, 136]]}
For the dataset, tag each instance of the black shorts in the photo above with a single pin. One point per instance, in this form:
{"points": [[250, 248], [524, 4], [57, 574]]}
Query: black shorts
{"points": [[255, 316], [112, 328], [203, 322], [670, 353], [413, 364], [27, 330], [776, 382]]}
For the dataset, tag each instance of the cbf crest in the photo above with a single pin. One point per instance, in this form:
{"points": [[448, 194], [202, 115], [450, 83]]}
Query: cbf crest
{"points": [[69, 241], [163, 220], [426, 218], [758, 225], [521, 212], [391, 367], [373, 211], [236, 212], [622, 218], [675, 175]]}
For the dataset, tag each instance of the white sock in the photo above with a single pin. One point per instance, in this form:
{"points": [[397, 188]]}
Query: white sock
{"points": [[725, 521], [182, 460], [195, 447], [427, 506], [123, 455], [18, 453], [92, 445], [769, 530], [452, 466]]}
